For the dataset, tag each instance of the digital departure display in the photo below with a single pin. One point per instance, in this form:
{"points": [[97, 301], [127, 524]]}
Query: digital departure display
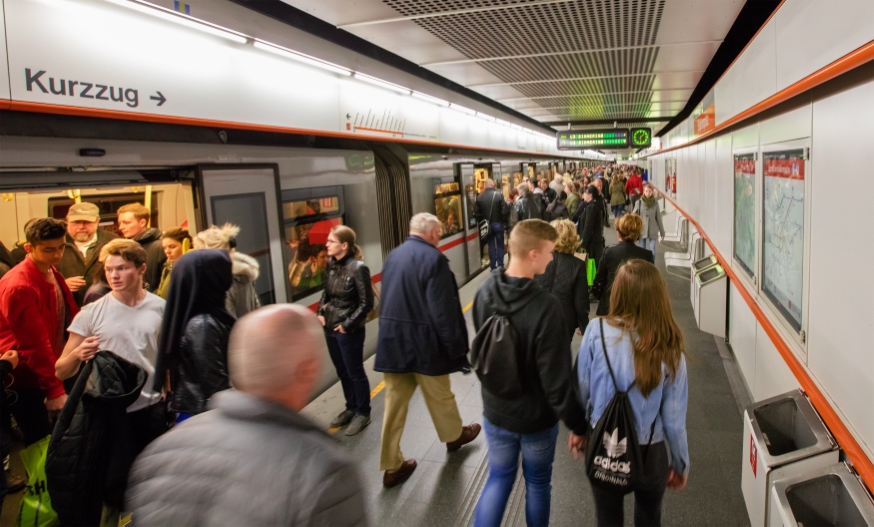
{"points": [[592, 139]]}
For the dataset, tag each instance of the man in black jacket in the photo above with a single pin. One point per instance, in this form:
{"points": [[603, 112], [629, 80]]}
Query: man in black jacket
{"points": [[528, 206], [528, 423], [422, 339], [133, 223], [490, 206], [84, 241]]}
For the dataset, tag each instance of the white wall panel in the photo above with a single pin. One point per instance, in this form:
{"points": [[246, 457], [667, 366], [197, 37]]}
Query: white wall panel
{"points": [[813, 33], [724, 197], [786, 127], [742, 327], [745, 137], [841, 288], [773, 376], [711, 207], [751, 79]]}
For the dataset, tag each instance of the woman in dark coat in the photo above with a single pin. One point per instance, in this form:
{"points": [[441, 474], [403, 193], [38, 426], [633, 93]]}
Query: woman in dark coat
{"points": [[193, 348], [343, 309], [565, 277], [628, 229], [590, 224]]}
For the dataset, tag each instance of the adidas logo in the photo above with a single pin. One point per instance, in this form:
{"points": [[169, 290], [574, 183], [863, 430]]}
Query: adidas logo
{"points": [[614, 447]]}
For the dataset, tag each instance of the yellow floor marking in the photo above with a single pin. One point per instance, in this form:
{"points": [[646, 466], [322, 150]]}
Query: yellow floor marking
{"points": [[467, 307]]}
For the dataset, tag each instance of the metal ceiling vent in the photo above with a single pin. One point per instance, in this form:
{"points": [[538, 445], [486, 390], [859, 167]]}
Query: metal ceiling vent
{"points": [[575, 39]]}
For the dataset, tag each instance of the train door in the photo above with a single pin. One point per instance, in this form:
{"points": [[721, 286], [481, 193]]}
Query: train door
{"points": [[471, 234], [247, 195]]}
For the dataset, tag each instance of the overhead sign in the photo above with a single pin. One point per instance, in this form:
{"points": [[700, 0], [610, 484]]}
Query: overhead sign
{"points": [[592, 139], [640, 137]]}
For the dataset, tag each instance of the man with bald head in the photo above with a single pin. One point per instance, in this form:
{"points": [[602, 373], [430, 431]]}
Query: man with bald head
{"points": [[253, 459], [490, 207]]}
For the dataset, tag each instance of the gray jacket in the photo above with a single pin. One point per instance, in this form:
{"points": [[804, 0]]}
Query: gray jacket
{"points": [[242, 297], [249, 461], [652, 219]]}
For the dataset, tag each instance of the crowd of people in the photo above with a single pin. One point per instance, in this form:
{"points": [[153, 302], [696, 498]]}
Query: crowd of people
{"points": [[164, 389]]}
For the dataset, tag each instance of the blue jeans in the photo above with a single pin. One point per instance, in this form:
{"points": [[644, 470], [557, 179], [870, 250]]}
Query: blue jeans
{"points": [[347, 354], [649, 243], [496, 246], [538, 453], [618, 210]]}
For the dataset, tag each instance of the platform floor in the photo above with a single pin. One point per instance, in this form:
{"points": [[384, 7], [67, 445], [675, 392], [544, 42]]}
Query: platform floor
{"points": [[444, 489]]}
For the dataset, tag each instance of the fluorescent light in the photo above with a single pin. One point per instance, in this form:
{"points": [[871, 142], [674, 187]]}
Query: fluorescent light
{"points": [[428, 98], [300, 57], [462, 109], [382, 84], [179, 18]]}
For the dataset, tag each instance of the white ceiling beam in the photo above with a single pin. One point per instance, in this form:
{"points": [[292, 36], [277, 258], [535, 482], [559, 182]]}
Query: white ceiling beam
{"points": [[561, 53], [450, 13], [569, 79], [621, 105], [690, 88]]}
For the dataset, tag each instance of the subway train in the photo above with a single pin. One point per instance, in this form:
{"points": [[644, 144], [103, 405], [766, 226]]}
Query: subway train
{"points": [[285, 200]]}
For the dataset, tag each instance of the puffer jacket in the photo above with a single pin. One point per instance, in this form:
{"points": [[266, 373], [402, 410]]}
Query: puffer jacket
{"points": [[249, 461], [242, 297], [565, 277], [150, 240], [202, 368], [92, 447], [348, 294]]}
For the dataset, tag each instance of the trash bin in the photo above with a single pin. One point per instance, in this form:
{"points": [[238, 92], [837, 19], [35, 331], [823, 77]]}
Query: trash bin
{"points": [[709, 300], [783, 437], [826, 496], [697, 266]]}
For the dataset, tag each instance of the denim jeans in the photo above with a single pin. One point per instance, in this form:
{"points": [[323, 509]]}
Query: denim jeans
{"points": [[618, 210], [496, 246], [347, 354], [538, 453], [649, 243]]}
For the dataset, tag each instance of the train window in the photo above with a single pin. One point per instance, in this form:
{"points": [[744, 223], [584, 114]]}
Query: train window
{"points": [[310, 207], [108, 205], [447, 207]]}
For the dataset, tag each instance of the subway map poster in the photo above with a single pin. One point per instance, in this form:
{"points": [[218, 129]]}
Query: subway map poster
{"points": [[783, 246]]}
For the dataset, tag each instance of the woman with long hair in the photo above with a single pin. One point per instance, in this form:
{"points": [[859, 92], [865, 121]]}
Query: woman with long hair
{"points": [[242, 297], [343, 308], [628, 229], [193, 347], [174, 243], [646, 355], [565, 277]]}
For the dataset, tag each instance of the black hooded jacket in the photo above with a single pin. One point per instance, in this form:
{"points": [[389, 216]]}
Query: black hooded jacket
{"points": [[150, 240], [544, 353], [92, 446]]}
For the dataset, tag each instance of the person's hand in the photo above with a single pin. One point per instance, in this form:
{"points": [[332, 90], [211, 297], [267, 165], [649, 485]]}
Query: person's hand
{"points": [[12, 357], [321, 320], [86, 351], [340, 329], [676, 480], [576, 444], [54, 406], [75, 283]]}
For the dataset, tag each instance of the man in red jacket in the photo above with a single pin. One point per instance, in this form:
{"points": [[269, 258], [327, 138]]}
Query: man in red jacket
{"points": [[634, 187], [36, 307]]}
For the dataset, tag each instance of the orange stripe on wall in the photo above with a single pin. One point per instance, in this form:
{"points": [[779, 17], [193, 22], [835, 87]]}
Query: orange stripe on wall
{"points": [[845, 439]]}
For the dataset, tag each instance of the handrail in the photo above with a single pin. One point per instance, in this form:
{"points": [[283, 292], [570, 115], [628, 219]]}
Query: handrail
{"points": [[842, 434]]}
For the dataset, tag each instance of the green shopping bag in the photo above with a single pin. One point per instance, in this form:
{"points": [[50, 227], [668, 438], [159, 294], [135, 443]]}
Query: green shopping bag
{"points": [[36, 509], [591, 271]]}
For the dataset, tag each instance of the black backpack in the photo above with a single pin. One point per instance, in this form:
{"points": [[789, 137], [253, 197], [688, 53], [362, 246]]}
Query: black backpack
{"points": [[493, 356], [613, 458]]}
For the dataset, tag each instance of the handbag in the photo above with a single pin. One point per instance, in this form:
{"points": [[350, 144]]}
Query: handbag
{"points": [[35, 509], [591, 271], [374, 313], [485, 228]]}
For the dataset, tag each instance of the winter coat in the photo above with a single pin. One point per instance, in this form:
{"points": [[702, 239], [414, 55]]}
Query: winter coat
{"points": [[242, 297], [543, 351], [652, 219], [202, 364], [617, 192], [249, 461], [549, 195], [529, 206], [73, 264], [421, 327], [6, 260], [92, 446], [166, 274], [591, 229], [513, 215], [565, 277], [28, 323], [150, 240], [348, 294], [572, 202], [556, 210], [490, 205], [610, 261], [634, 186]]}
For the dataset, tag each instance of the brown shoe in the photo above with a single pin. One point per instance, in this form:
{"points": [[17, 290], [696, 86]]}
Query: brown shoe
{"points": [[393, 479], [468, 434]]}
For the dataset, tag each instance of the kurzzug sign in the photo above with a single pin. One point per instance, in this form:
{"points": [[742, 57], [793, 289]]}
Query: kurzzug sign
{"points": [[85, 90]]}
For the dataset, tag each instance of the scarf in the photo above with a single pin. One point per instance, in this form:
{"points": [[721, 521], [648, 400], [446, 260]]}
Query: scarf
{"points": [[649, 201]]}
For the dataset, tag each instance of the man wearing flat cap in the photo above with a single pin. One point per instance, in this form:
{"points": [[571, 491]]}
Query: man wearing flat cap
{"points": [[84, 240]]}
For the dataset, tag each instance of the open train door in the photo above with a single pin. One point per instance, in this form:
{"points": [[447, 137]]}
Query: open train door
{"points": [[248, 196]]}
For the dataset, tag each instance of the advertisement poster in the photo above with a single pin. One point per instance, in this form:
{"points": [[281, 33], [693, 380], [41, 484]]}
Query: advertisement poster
{"points": [[745, 212]]}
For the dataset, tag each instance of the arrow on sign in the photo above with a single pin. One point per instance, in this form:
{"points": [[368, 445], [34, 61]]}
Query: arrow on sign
{"points": [[159, 98]]}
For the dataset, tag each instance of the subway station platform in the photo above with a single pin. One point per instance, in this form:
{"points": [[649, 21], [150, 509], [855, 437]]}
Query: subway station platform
{"points": [[444, 489]]}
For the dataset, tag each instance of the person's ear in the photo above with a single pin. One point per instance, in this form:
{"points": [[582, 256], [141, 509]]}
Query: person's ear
{"points": [[28, 248]]}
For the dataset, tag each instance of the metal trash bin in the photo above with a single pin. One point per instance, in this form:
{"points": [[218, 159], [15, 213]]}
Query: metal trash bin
{"points": [[783, 437], [826, 496], [709, 292], [704, 263]]}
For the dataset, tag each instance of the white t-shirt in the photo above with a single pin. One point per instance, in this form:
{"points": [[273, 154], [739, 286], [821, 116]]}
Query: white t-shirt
{"points": [[130, 332]]}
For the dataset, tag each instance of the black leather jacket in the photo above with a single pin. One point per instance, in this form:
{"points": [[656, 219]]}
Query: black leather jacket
{"points": [[348, 294], [202, 367]]}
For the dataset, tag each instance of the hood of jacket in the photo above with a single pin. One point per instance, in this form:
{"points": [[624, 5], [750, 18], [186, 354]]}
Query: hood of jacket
{"points": [[245, 268], [148, 235], [506, 296], [113, 380]]}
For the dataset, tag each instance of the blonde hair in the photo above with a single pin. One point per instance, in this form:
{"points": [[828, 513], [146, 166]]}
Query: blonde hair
{"points": [[128, 249], [139, 211], [216, 237], [568, 239], [346, 235], [529, 235], [629, 226]]}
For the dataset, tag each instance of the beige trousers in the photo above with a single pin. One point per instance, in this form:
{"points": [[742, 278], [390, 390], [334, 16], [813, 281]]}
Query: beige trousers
{"points": [[399, 388]]}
